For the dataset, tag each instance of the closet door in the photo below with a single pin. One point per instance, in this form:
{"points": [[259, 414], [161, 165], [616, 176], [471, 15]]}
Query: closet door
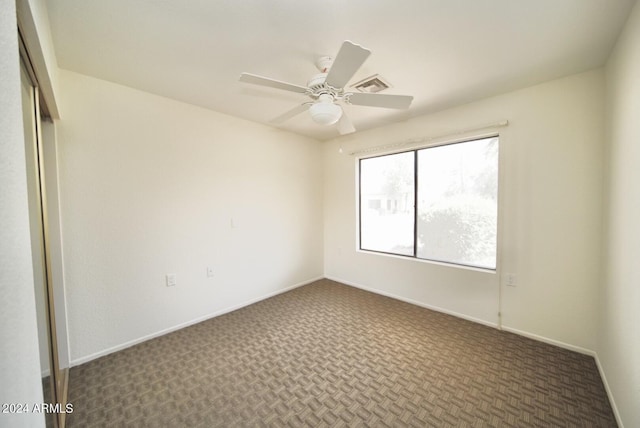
{"points": [[39, 251]]}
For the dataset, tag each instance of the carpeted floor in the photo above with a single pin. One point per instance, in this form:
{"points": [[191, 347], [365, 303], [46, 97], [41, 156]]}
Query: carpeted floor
{"points": [[331, 355]]}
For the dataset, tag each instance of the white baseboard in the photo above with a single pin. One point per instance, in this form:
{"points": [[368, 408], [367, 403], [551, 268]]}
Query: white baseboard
{"points": [[87, 358], [609, 393], [414, 302], [554, 342]]}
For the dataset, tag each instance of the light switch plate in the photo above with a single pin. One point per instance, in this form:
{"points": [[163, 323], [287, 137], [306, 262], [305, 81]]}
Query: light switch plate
{"points": [[511, 279], [171, 279]]}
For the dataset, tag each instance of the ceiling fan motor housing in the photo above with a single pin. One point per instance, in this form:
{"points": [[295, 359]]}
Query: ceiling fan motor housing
{"points": [[317, 81]]}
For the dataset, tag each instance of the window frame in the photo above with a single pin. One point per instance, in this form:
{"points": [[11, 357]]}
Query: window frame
{"points": [[415, 151]]}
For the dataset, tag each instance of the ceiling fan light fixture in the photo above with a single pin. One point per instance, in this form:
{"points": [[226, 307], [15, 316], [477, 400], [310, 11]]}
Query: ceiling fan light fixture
{"points": [[325, 112]]}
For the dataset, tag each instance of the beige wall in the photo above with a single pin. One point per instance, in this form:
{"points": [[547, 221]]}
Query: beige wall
{"points": [[550, 201], [619, 327], [150, 186]]}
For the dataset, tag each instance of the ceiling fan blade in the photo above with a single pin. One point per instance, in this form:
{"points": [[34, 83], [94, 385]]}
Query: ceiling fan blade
{"points": [[380, 100], [291, 113], [347, 62], [344, 124], [272, 83]]}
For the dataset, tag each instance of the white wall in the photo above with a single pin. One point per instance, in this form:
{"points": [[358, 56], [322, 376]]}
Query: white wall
{"points": [[619, 333], [551, 194], [150, 186], [19, 355]]}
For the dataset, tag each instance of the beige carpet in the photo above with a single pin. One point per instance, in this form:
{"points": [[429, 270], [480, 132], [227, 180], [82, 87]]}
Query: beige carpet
{"points": [[331, 355]]}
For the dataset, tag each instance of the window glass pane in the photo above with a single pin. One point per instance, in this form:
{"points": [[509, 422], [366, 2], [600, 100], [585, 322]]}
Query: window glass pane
{"points": [[457, 203], [387, 203]]}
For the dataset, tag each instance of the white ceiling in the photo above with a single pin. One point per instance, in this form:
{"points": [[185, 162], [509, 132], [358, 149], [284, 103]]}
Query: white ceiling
{"points": [[443, 52]]}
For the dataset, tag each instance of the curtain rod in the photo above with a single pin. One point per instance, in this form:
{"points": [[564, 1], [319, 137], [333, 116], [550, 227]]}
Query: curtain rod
{"points": [[413, 141]]}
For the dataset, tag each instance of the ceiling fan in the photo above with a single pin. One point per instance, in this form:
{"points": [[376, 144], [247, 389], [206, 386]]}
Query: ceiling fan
{"points": [[326, 89]]}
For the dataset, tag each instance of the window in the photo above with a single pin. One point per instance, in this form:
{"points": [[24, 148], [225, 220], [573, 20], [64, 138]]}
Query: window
{"points": [[387, 194], [438, 203]]}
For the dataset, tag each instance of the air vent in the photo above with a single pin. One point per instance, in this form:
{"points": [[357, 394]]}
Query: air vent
{"points": [[372, 84]]}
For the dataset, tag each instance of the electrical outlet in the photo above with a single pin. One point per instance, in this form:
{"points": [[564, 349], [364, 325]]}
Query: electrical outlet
{"points": [[210, 272], [171, 279]]}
